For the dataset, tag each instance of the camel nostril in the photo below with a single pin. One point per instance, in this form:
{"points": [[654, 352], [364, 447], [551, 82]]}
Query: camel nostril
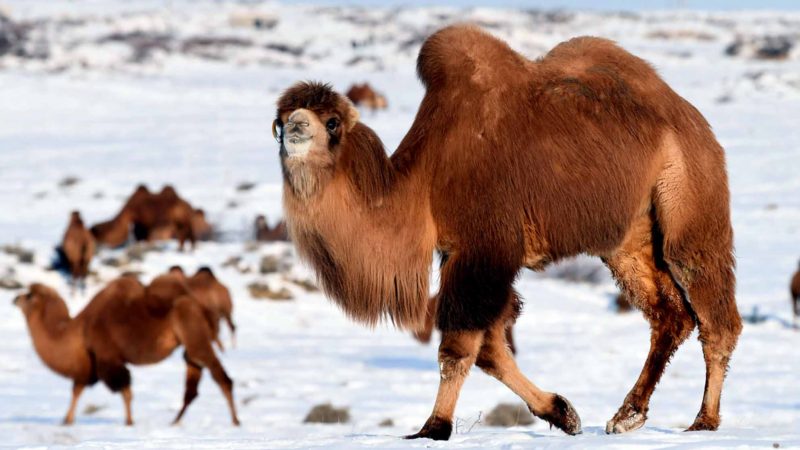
{"points": [[298, 119]]}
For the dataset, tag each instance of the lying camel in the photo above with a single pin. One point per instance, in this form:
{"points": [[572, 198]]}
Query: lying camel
{"points": [[266, 234], [364, 95], [125, 323], [78, 249]]}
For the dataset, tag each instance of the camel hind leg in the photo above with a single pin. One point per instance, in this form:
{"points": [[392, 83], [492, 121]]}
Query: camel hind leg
{"points": [[692, 204], [642, 274], [710, 289], [193, 374], [193, 331]]}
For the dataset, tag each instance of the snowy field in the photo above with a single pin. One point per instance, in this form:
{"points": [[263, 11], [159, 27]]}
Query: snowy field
{"points": [[118, 93]]}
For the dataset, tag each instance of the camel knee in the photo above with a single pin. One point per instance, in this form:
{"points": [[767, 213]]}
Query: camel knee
{"points": [[457, 353], [454, 363]]}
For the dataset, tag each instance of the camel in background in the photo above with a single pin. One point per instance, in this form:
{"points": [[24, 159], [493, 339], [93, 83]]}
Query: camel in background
{"points": [[125, 323]]}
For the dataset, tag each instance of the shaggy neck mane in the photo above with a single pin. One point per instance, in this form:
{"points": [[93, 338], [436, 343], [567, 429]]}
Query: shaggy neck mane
{"points": [[368, 233]]}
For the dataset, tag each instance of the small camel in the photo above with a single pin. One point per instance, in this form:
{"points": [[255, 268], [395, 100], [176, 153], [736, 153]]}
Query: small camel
{"points": [[264, 233], [514, 163], [125, 323], [78, 249], [152, 217], [363, 95]]}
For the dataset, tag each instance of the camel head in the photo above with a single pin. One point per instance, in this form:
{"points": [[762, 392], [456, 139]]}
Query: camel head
{"points": [[41, 299], [75, 218], [177, 271], [311, 126], [261, 222]]}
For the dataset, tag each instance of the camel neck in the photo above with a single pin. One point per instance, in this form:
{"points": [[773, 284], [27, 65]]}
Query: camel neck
{"points": [[54, 339]]}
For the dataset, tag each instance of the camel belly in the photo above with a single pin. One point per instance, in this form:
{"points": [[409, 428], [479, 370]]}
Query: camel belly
{"points": [[152, 351]]}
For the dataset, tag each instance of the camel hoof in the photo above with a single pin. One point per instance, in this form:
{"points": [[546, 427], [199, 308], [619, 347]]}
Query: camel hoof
{"points": [[67, 422], [435, 428], [703, 423], [563, 416], [625, 420]]}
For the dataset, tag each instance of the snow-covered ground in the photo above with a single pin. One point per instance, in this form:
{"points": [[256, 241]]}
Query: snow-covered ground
{"points": [[199, 119]]}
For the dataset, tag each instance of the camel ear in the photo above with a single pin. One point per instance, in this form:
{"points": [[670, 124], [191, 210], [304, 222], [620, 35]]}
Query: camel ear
{"points": [[352, 114]]}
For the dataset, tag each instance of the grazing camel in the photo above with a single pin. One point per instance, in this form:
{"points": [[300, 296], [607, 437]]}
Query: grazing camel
{"points": [[213, 296], [78, 249], [115, 232], [266, 234], [125, 323], [514, 163], [794, 289], [364, 95]]}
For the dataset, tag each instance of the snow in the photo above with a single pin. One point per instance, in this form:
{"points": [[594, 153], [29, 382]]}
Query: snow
{"points": [[204, 125]]}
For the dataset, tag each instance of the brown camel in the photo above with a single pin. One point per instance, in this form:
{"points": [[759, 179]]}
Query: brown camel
{"points": [[115, 232], [514, 163], [160, 216], [163, 216], [200, 227], [125, 323], [364, 95], [213, 296], [794, 289], [78, 248], [264, 233]]}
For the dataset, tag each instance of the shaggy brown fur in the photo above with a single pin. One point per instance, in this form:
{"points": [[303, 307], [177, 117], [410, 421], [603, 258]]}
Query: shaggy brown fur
{"points": [[425, 333], [364, 95], [622, 303], [78, 248], [794, 289], [125, 323], [514, 163], [213, 296], [264, 233]]}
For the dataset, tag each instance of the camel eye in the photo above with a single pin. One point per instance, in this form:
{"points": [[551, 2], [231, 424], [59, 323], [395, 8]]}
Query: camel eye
{"points": [[332, 124]]}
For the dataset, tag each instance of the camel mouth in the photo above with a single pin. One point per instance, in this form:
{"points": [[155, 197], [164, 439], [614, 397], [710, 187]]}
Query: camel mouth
{"points": [[297, 145], [17, 300]]}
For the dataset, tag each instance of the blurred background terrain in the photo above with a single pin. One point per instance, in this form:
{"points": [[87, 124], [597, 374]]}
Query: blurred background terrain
{"points": [[99, 96]]}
